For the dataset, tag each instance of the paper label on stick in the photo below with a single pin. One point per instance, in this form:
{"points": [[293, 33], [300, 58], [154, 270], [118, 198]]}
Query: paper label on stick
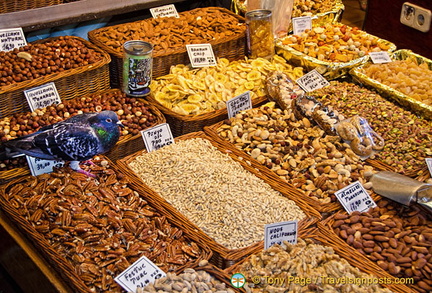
{"points": [[164, 11], [300, 24], [139, 274], [278, 232], [429, 164], [201, 55], [42, 96], [40, 166], [380, 57], [354, 197], [157, 137], [12, 38], [239, 103], [312, 81]]}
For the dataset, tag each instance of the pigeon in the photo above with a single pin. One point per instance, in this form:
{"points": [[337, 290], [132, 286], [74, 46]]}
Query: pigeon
{"points": [[76, 139]]}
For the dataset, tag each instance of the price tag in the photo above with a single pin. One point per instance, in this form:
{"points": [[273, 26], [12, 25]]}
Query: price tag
{"points": [[42, 96], [278, 232], [380, 57], [139, 274], [429, 164], [41, 166], [239, 103], [201, 55], [300, 24], [12, 38], [164, 11], [157, 137], [312, 81], [354, 197]]}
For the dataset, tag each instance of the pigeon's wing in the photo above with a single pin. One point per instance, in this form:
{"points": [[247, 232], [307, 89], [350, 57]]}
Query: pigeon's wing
{"points": [[70, 142]]}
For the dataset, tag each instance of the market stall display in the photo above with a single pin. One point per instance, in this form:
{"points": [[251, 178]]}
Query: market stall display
{"points": [[297, 151], [76, 66], [90, 230], [332, 49], [211, 188], [407, 80], [221, 28], [193, 98], [8, 6]]}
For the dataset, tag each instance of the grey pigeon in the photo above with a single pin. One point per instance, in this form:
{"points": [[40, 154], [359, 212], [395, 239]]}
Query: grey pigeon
{"points": [[76, 139]]}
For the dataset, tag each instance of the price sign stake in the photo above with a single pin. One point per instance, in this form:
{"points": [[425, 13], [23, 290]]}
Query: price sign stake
{"points": [[42, 96], [312, 81], [300, 24], [12, 38], [278, 232], [164, 11], [40, 166], [239, 103], [201, 55], [380, 57], [157, 137], [354, 197]]}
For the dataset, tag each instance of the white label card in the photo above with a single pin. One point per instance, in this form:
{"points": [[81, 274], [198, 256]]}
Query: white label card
{"points": [[164, 11], [278, 232], [42, 96], [429, 164], [354, 197], [312, 81], [157, 137], [300, 24], [239, 103], [139, 274], [41, 166], [201, 55], [380, 57], [12, 38]]}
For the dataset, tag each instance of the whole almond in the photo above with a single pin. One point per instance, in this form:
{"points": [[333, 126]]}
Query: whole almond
{"points": [[393, 242], [381, 238], [420, 263], [404, 259]]}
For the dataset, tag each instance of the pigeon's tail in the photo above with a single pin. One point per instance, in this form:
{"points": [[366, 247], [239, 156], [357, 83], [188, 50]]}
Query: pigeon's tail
{"points": [[21, 146], [7, 153]]}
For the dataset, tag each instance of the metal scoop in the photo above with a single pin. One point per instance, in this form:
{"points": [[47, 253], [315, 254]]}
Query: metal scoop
{"points": [[402, 189]]}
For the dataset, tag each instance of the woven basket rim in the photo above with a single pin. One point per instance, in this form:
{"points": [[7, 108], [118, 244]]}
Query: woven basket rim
{"points": [[106, 59], [60, 262], [93, 35], [235, 254]]}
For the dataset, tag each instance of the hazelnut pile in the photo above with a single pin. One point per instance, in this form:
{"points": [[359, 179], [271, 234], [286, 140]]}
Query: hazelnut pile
{"points": [[134, 114], [36, 60]]}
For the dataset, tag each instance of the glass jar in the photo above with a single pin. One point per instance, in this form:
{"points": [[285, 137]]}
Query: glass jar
{"points": [[259, 34]]}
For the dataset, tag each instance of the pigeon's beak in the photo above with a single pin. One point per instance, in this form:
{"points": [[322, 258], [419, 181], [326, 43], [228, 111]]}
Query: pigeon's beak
{"points": [[120, 124]]}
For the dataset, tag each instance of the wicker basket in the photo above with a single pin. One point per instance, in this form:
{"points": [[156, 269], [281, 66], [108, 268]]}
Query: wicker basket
{"points": [[321, 207], [183, 124], [63, 266], [232, 48], [128, 144], [222, 256], [70, 83], [320, 236], [7, 6]]}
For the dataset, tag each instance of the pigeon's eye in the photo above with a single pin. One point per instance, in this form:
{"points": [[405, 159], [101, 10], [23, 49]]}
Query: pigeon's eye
{"points": [[109, 120]]}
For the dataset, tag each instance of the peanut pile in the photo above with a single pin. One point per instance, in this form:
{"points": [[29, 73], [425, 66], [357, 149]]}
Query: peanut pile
{"points": [[99, 227], [397, 238], [37, 60]]}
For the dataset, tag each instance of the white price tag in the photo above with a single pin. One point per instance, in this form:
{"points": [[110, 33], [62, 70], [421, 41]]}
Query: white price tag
{"points": [[300, 24], [157, 137], [239, 103], [41, 166], [278, 232], [354, 197], [12, 38], [429, 164], [139, 274], [164, 11], [380, 57], [312, 81], [42, 96], [201, 55]]}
